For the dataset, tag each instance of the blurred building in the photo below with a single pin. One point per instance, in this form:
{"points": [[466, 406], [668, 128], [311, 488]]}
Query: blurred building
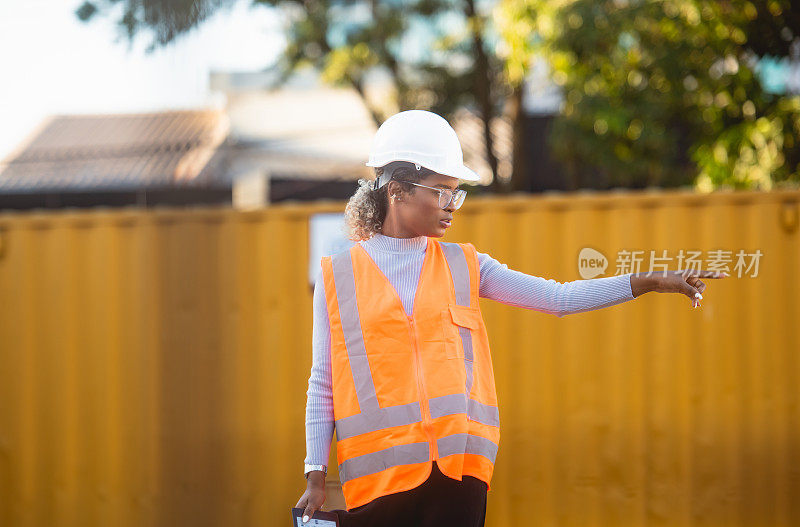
{"points": [[301, 141], [306, 135], [117, 160], [273, 140], [179, 158]]}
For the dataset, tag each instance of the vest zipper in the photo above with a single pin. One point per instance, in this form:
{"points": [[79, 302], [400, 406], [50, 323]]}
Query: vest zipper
{"points": [[427, 422]]}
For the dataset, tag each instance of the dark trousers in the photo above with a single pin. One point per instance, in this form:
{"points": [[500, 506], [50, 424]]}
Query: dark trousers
{"points": [[439, 502]]}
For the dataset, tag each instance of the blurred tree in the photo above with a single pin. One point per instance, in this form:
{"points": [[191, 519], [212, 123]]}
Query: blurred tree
{"points": [[662, 92], [773, 27], [347, 39], [166, 19]]}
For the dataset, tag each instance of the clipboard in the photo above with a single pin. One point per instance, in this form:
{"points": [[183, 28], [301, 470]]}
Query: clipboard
{"points": [[319, 519]]}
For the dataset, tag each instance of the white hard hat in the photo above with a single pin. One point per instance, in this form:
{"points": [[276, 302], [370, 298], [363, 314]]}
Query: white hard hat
{"points": [[422, 138]]}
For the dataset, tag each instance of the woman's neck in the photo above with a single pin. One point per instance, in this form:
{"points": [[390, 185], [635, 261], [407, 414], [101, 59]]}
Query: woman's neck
{"points": [[391, 244], [394, 228]]}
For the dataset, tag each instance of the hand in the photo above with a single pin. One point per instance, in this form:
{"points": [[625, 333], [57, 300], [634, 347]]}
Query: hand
{"points": [[687, 282], [314, 496]]}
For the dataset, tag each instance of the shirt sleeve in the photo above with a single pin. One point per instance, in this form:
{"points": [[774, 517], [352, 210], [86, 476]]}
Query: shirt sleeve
{"points": [[498, 282], [319, 403]]}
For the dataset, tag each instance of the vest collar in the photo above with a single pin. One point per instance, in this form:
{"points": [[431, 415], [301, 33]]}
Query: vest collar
{"points": [[387, 244]]}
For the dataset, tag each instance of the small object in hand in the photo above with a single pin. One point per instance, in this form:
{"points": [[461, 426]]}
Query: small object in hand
{"points": [[318, 519]]}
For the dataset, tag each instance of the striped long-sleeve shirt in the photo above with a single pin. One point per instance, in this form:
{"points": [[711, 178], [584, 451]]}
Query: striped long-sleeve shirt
{"points": [[401, 259]]}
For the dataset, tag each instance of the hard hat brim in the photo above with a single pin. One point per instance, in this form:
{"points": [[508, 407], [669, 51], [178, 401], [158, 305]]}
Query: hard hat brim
{"points": [[459, 172], [465, 174]]}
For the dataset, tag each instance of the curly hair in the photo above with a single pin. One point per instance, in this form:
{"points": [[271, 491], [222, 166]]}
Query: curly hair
{"points": [[366, 210]]}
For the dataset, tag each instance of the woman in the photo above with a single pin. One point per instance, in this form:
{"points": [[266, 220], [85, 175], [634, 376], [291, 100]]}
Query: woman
{"points": [[401, 363]]}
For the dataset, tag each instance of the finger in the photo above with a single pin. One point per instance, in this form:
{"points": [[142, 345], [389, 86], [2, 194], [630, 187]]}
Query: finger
{"points": [[696, 283], [689, 290], [705, 274], [308, 512], [700, 286], [301, 502]]}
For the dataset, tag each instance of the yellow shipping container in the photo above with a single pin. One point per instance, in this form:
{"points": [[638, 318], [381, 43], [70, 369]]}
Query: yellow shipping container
{"points": [[154, 366]]}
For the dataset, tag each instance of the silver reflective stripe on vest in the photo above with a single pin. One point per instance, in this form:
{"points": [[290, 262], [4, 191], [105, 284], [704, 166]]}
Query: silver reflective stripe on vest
{"points": [[372, 417], [457, 261], [467, 444], [351, 327], [456, 403], [364, 422], [374, 462], [483, 413]]}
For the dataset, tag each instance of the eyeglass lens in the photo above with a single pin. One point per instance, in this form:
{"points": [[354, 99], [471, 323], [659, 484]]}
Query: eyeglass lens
{"points": [[448, 196]]}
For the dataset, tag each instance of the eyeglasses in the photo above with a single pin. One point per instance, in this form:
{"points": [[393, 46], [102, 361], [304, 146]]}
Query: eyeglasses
{"points": [[447, 196]]}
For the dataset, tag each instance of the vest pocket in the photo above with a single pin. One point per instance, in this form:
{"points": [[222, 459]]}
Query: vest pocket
{"points": [[458, 323]]}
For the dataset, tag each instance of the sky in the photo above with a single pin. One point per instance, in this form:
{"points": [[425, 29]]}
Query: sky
{"points": [[52, 63]]}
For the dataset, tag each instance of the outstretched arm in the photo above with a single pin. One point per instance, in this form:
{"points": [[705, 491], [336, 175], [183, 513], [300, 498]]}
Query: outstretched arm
{"points": [[511, 287], [514, 288]]}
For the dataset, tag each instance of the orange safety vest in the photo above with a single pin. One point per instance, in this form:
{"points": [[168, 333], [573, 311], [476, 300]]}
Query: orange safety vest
{"points": [[408, 390]]}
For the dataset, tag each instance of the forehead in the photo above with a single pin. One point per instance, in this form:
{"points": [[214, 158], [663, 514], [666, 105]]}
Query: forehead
{"points": [[440, 180]]}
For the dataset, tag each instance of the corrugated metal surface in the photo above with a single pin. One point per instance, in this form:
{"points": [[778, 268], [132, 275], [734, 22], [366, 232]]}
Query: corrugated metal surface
{"points": [[153, 367]]}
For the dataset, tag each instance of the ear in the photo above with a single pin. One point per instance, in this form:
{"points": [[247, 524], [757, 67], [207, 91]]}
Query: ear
{"points": [[393, 189]]}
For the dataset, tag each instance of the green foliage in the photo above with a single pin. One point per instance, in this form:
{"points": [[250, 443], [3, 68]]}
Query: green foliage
{"points": [[773, 26], [348, 40], [656, 92], [753, 153], [86, 11]]}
